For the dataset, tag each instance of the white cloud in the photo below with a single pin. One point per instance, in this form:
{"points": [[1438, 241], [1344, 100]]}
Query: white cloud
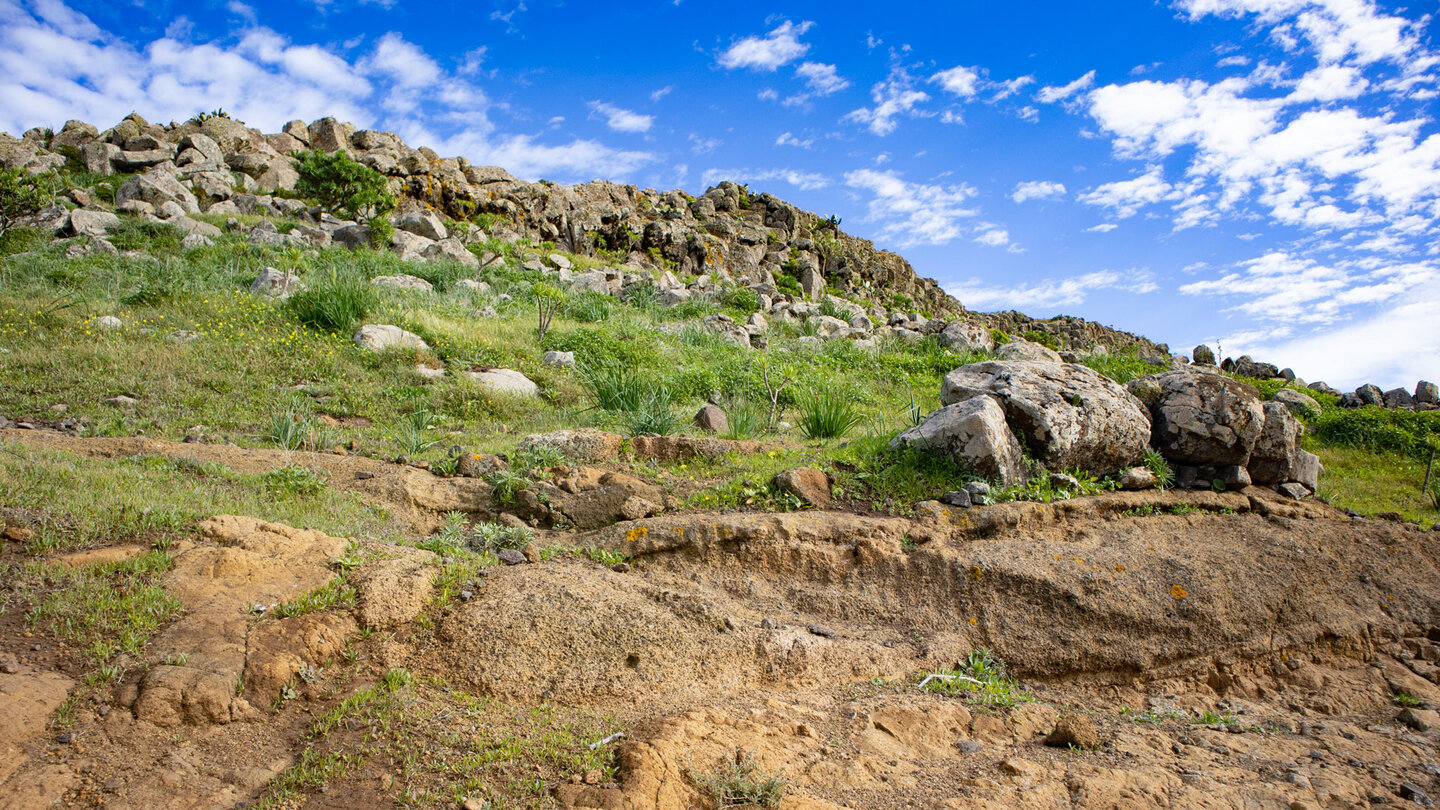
{"points": [[1037, 190], [1052, 94], [1010, 87], [1329, 83], [992, 236], [787, 139], [960, 81], [1126, 197], [1233, 61], [822, 79], [661, 93], [894, 96], [914, 213], [703, 145], [620, 119], [60, 66], [1049, 294], [779, 47], [244, 11], [805, 181], [1335, 29], [1104, 227]]}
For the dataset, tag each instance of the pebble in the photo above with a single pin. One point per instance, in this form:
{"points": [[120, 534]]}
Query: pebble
{"points": [[364, 475], [466, 596], [821, 630], [621, 568], [510, 556]]}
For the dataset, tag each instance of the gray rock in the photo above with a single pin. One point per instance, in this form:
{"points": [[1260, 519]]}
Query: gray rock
{"points": [[1427, 393], [965, 336], [452, 250], [1274, 457], [958, 498], [1246, 367], [108, 322], [712, 420], [1293, 490], [92, 223], [1299, 404], [559, 359], [403, 282], [1324, 389], [408, 246], [973, 433], [1234, 476], [1306, 470], [812, 283], [195, 240], [1202, 419], [157, 187], [1370, 395], [100, 158], [1394, 398], [1067, 415], [1018, 349], [1137, 478], [380, 337], [511, 556], [505, 381], [423, 223], [830, 328], [1203, 354], [353, 237], [120, 401], [276, 283], [978, 490]]}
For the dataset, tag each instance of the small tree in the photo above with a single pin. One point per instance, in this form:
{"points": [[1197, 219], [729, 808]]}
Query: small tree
{"points": [[342, 185], [21, 195], [548, 299]]}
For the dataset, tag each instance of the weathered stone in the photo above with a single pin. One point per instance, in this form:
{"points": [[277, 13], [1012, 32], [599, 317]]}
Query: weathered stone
{"points": [[712, 420], [1306, 469], [1274, 456], [408, 246], [403, 282], [1018, 349], [157, 188], [380, 337], [92, 223], [505, 381], [1068, 415], [423, 223], [806, 483], [1138, 478], [1370, 395], [1202, 419], [1299, 404], [276, 283], [1427, 393], [973, 433], [1398, 398], [583, 444], [1203, 355], [559, 359], [966, 337], [452, 250]]}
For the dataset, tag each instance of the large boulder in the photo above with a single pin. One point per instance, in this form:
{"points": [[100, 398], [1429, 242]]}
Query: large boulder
{"points": [[423, 223], [1394, 398], [966, 337], [1299, 404], [1202, 419], [1427, 393], [505, 381], [157, 187], [1203, 355], [1274, 457], [1018, 349], [972, 433], [1068, 415], [85, 222]]}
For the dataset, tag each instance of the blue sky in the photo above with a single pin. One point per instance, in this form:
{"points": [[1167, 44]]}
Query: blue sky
{"points": [[1261, 174]]}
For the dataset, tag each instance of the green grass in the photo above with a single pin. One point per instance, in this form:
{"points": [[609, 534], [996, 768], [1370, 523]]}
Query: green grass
{"points": [[73, 502], [337, 303], [980, 679], [337, 593], [1371, 482], [102, 609], [828, 414]]}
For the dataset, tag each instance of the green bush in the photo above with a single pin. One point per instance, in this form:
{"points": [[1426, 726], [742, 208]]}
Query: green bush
{"points": [[21, 195], [999, 336], [336, 304], [1379, 430], [742, 301], [1164, 475], [1045, 339], [342, 185], [155, 238], [828, 414], [653, 415]]}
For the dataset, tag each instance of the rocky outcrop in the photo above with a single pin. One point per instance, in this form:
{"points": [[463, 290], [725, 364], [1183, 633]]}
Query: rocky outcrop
{"points": [[972, 433], [1067, 415], [1201, 419]]}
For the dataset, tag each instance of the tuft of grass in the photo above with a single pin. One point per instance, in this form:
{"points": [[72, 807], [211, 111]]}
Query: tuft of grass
{"points": [[335, 593], [336, 304], [828, 414], [492, 537], [290, 428], [653, 414], [747, 418], [740, 782], [293, 481], [105, 609]]}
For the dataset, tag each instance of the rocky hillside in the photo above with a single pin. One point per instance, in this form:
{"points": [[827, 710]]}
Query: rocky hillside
{"points": [[729, 235]]}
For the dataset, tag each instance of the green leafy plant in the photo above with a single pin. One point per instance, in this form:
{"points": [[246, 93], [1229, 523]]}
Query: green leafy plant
{"points": [[653, 414], [978, 678], [828, 414], [336, 304], [21, 195], [548, 300], [290, 428], [291, 481], [1164, 475], [747, 418], [343, 185], [492, 537]]}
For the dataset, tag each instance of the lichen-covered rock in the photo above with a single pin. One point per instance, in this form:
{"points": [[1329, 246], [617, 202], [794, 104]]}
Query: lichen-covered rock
{"points": [[1273, 459], [806, 483], [1018, 349], [1068, 415], [1202, 419], [380, 337], [505, 381], [582, 444], [972, 433]]}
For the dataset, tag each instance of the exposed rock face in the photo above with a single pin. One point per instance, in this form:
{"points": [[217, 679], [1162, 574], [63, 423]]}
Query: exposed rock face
{"points": [[1202, 419], [973, 433], [1068, 415], [1274, 458], [1018, 349], [582, 444]]}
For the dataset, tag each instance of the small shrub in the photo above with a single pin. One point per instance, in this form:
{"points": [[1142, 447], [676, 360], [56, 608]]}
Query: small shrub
{"points": [[21, 195], [589, 307], [747, 418], [741, 783], [1164, 475], [827, 415], [337, 304], [292, 481], [616, 387], [979, 678], [741, 300], [653, 415], [289, 429], [999, 336], [789, 284], [507, 484], [342, 185], [492, 537], [155, 238]]}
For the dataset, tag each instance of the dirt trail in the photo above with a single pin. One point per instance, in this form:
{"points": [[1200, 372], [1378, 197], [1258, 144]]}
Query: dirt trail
{"points": [[1243, 653]]}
